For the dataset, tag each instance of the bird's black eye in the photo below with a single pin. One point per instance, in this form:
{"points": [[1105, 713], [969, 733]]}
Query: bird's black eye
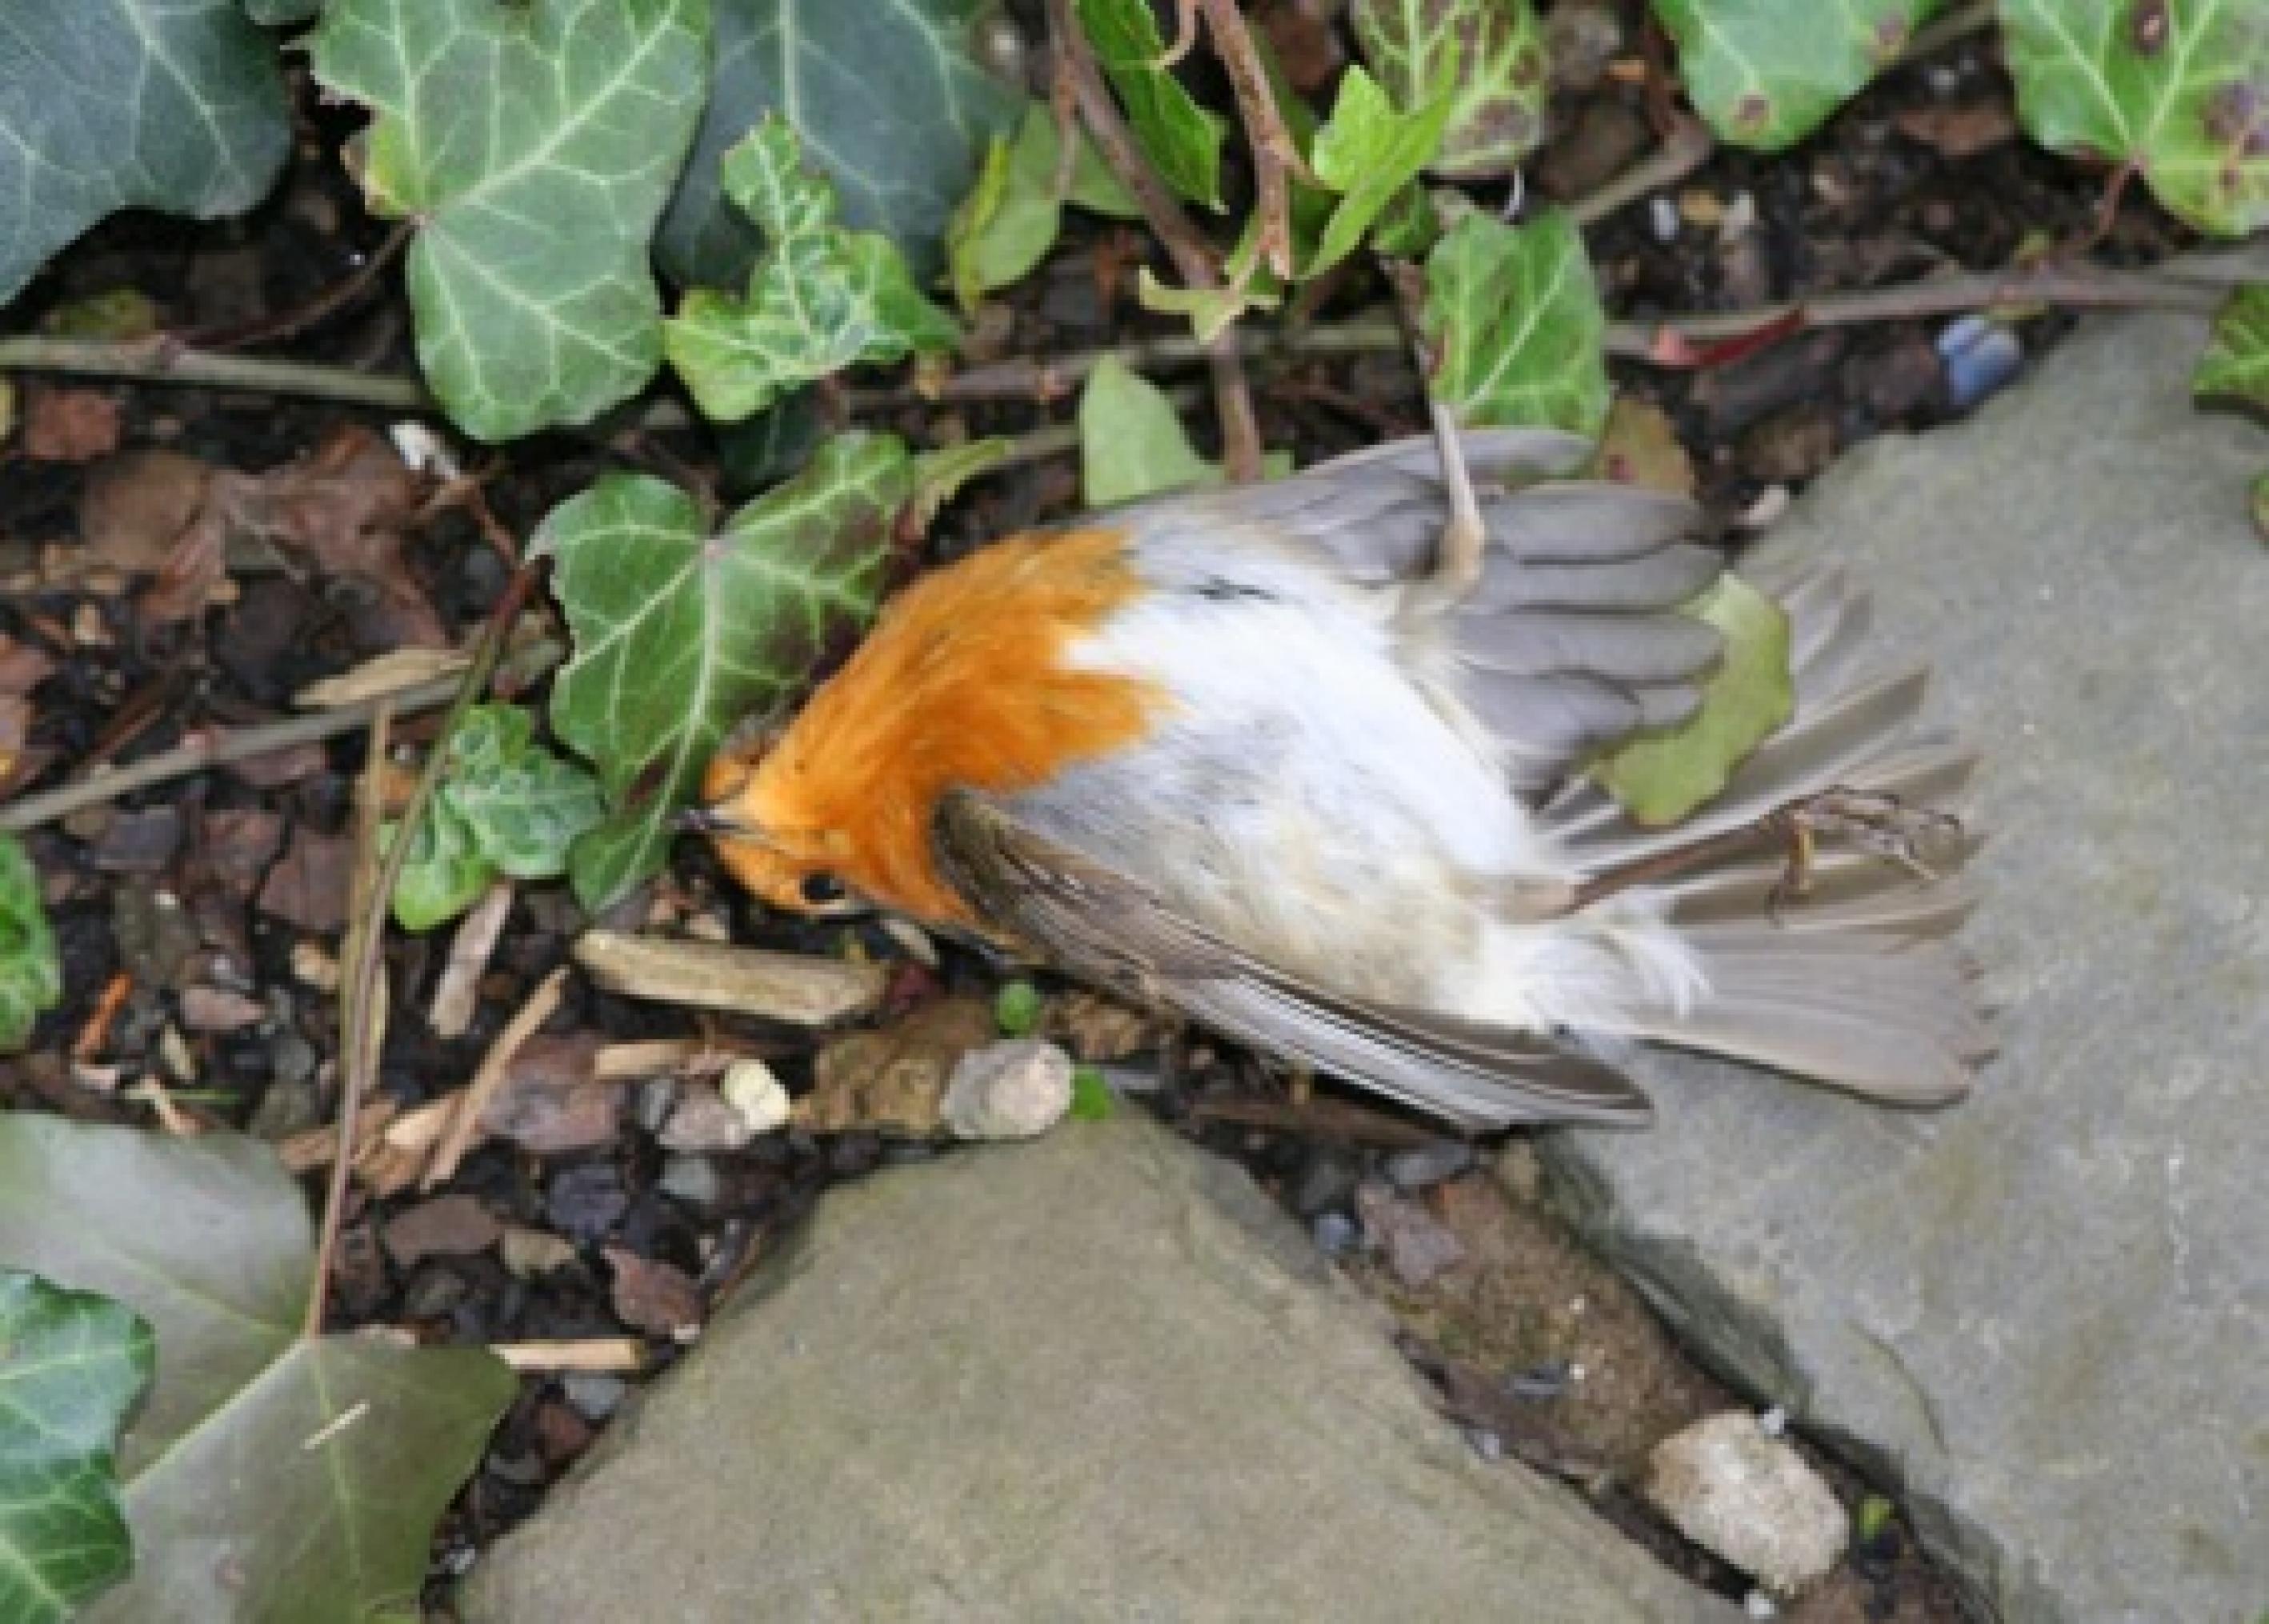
{"points": [[820, 889]]}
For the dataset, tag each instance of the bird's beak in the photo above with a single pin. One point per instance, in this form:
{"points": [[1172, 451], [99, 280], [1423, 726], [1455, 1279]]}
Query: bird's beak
{"points": [[706, 820]]}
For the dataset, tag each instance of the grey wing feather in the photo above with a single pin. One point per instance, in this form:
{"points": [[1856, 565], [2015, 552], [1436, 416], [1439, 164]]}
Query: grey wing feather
{"points": [[1578, 596], [1107, 928]]}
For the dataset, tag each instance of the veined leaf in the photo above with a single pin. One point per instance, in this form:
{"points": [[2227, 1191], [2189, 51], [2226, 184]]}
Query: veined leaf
{"points": [[1659, 777], [72, 1364], [1369, 153], [889, 100], [679, 634], [2181, 90], [1180, 137], [503, 805], [1515, 321], [820, 300], [536, 145], [1491, 55], [30, 973], [1765, 73], [115, 104], [359, 1443], [2235, 366], [1010, 220]]}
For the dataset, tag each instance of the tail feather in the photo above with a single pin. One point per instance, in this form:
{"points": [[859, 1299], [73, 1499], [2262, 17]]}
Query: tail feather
{"points": [[1893, 1020]]}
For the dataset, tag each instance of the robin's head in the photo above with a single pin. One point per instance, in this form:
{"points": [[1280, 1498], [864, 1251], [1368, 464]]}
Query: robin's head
{"points": [[764, 838]]}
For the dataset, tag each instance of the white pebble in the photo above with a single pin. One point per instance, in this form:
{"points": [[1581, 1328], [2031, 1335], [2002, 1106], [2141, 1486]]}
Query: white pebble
{"points": [[1662, 216], [750, 1087], [1751, 1499], [1012, 1089]]}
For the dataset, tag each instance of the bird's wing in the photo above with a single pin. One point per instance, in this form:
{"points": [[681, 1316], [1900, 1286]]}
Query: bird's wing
{"points": [[1112, 930], [1572, 640]]}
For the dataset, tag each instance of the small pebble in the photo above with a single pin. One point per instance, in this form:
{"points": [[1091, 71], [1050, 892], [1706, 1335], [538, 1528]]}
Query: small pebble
{"points": [[750, 1089], [1411, 1171], [1327, 1181], [1335, 1234], [1539, 1383], [657, 1096], [704, 1119], [314, 966], [1751, 1499], [1013, 1089], [693, 1180], [1486, 1444], [1757, 1605], [527, 1252], [586, 1202], [1980, 355], [594, 1396], [1662, 220]]}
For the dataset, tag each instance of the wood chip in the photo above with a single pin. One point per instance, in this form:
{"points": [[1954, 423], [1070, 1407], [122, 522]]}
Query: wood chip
{"points": [[789, 987], [390, 672], [457, 995], [605, 1356]]}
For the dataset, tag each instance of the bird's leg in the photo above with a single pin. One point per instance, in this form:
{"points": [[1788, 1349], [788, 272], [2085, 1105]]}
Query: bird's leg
{"points": [[1881, 824], [1458, 561], [1464, 539]]}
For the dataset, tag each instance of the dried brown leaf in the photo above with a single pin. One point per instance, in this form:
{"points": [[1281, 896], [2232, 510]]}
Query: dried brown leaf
{"points": [[69, 425]]}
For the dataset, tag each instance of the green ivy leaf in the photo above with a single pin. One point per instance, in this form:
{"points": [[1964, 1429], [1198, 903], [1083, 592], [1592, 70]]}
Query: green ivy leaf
{"points": [[1017, 1008], [1765, 73], [536, 145], [889, 100], [1010, 220], [2181, 90], [938, 475], [1180, 137], [72, 1364], [1368, 153], [2235, 366], [1208, 310], [1491, 53], [116, 104], [1513, 316], [30, 973], [524, 806], [1660, 777], [359, 1444], [444, 871], [1131, 439], [821, 298], [679, 635], [279, 13]]}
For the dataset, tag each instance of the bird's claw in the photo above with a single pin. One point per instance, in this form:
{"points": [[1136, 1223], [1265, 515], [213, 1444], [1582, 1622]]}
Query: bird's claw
{"points": [[1882, 826]]}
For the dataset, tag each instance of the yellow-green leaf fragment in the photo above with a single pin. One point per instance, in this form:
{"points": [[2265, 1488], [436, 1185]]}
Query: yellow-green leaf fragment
{"points": [[2235, 365], [31, 971], [1131, 439], [1662, 775], [1368, 152]]}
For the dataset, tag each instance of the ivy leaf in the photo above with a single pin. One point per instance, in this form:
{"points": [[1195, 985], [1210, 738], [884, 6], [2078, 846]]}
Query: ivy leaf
{"points": [[2180, 91], [679, 635], [1660, 777], [938, 475], [279, 13], [444, 871], [1208, 310], [1514, 318], [1765, 73], [30, 973], [1180, 137], [2235, 366], [1131, 439], [524, 806], [1490, 52], [116, 104], [1010, 220], [72, 1365], [821, 298], [536, 145], [360, 1443], [1368, 153], [889, 100]]}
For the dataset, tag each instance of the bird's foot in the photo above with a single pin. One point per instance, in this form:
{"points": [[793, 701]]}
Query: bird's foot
{"points": [[1882, 826]]}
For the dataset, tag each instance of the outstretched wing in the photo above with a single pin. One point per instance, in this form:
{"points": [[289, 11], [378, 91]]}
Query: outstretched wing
{"points": [[1112, 930], [1572, 640]]}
